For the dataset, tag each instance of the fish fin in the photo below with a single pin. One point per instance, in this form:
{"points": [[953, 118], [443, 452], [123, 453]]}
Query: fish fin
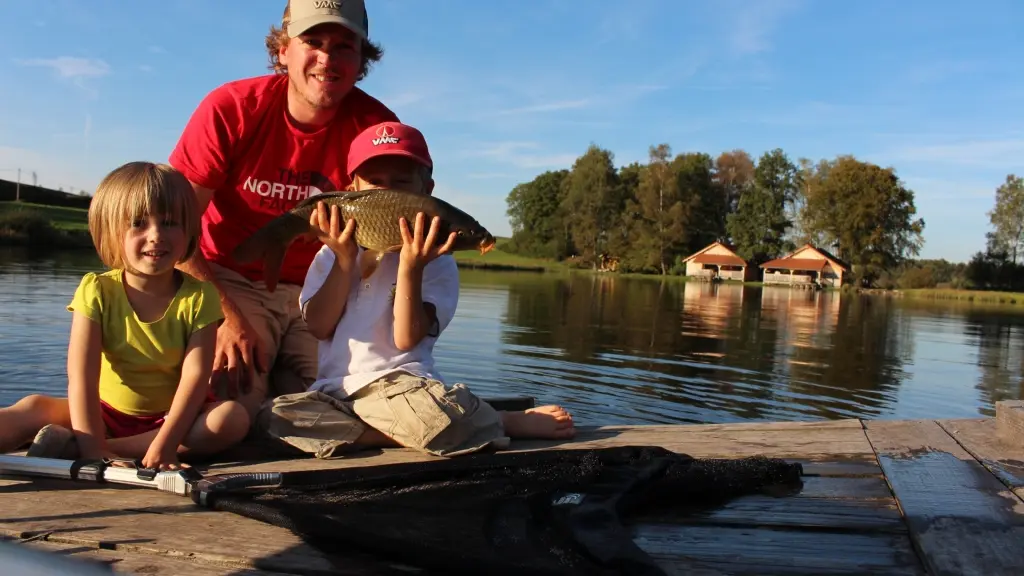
{"points": [[395, 248], [325, 196]]}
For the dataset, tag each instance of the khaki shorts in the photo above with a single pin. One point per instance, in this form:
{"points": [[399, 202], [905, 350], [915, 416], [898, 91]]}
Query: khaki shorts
{"points": [[418, 413], [291, 349]]}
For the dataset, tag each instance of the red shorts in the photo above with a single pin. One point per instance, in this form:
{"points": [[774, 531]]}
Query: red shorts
{"points": [[121, 425]]}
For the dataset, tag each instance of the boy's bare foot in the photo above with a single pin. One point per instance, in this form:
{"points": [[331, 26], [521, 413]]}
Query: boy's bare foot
{"points": [[547, 422]]}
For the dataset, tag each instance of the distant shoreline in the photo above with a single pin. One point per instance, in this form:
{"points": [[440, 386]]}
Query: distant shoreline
{"points": [[42, 226], [59, 227]]}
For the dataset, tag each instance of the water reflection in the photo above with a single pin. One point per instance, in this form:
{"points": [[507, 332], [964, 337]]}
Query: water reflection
{"points": [[715, 352], [636, 350], [34, 323], [1000, 357]]}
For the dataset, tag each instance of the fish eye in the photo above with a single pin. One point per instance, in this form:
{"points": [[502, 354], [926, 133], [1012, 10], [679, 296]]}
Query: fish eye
{"points": [[460, 233]]}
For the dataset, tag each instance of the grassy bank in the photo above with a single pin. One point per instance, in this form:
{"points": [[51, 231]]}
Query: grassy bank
{"points": [[498, 259], [38, 225], [976, 296]]}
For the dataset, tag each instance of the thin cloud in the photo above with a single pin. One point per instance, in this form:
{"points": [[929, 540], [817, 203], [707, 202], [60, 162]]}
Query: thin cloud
{"points": [[1004, 153], [52, 171], [751, 30], [145, 68], [929, 188], [489, 175], [403, 99], [70, 66], [934, 72], [517, 154], [615, 97], [549, 107], [157, 49]]}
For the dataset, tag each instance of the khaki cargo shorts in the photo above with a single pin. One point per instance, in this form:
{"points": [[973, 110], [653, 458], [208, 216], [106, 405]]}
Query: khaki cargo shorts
{"points": [[276, 318], [418, 413]]}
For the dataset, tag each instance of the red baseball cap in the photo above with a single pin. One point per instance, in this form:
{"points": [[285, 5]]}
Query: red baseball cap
{"points": [[388, 138]]}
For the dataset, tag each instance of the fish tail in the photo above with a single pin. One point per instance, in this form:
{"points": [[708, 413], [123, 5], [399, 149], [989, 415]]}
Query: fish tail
{"points": [[272, 261], [276, 234]]}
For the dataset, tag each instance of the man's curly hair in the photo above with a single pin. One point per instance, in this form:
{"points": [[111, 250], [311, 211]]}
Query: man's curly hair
{"points": [[278, 37]]}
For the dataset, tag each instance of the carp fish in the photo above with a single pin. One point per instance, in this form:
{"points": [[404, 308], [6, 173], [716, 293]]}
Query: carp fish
{"points": [[376, 213]]}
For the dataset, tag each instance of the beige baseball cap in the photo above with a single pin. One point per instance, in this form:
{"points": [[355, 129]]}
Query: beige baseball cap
{"points": [[308, 13]]}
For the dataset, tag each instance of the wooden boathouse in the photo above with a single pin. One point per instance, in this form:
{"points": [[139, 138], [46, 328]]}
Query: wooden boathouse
{"points": [[808, 265], [717, 261], [879, 497]]}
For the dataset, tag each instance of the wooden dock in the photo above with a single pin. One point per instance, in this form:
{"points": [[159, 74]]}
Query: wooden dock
{"points": [[883, 497]]}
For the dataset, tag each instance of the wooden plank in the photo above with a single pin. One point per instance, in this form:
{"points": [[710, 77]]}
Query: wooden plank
{"points": [[866, 465], [731, 550], [857, 488], [848, 495], [793, 512], [121, 562], [961, 518], [511, 403], [835, 503], [146, 521], [806, 441], [979, 438], [1010, 421], [794, 441]]}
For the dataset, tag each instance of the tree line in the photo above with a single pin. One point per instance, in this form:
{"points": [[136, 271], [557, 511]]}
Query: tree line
{"points": [[1000, 266], [650, 215]]}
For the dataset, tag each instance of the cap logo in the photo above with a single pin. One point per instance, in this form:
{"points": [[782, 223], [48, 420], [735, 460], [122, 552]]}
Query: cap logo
{"points": [[329, 4], [385, 135]]}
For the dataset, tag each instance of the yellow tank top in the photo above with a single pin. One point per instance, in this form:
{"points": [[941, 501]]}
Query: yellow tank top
{"points": [[141, 361]]}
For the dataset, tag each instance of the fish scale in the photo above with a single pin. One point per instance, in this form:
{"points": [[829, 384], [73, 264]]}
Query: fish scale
{"points": [[376, 213], [377, 218]]}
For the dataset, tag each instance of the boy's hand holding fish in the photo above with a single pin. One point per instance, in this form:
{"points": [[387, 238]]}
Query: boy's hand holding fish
{"points": [[415, 318], [341, 240], [418, 251]]}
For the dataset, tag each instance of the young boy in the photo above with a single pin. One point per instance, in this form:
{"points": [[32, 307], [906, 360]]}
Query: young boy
{"points": [[377, 323]]}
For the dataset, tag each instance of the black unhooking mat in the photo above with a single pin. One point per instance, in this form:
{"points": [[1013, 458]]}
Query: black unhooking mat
{"points": [[537, 512]]}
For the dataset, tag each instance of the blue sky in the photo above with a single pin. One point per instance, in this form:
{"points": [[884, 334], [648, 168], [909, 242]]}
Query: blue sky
{"points": [[505, 90]]}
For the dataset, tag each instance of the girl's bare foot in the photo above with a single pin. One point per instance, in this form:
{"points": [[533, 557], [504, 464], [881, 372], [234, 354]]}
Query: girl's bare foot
{"points": [[547, 422]]}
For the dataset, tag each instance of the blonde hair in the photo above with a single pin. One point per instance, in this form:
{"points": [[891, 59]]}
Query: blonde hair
{"points": [[278, 37], [137, 190]]}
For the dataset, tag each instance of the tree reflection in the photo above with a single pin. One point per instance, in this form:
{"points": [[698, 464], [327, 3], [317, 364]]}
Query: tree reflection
{"points": [[718, 352], [1000, 358]]}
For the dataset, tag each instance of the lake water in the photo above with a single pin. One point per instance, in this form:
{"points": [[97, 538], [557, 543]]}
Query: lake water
{"points": [[629, 350]]}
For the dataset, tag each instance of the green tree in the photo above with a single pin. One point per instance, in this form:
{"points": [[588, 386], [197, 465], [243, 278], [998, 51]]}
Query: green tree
{"points": [[592, 202], [620, 241], [812, 176], [1007, 218], [534, 211], [759, 225], [734, 174], [867, 214], [657, 227], [704, 204]]}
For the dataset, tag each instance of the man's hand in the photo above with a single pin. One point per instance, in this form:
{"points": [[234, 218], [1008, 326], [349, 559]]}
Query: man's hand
{"points": [[340, 240], [240, 354], [418, 251]]}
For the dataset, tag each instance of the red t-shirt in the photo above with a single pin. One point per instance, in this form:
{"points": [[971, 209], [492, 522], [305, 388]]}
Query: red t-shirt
{"points": [[241, 143]]}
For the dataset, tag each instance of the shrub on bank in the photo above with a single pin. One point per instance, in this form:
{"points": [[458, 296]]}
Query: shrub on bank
{"points": [[27, 227]]}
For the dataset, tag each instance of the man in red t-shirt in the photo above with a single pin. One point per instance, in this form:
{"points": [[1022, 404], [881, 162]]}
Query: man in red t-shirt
{"points": [[253, 149]]}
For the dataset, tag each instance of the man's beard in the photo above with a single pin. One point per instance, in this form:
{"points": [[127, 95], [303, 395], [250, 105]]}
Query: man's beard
{"points": [[323, 101]]}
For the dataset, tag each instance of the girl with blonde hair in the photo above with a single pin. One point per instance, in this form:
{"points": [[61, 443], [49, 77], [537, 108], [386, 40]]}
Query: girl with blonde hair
{"points": [[143, 338]]}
